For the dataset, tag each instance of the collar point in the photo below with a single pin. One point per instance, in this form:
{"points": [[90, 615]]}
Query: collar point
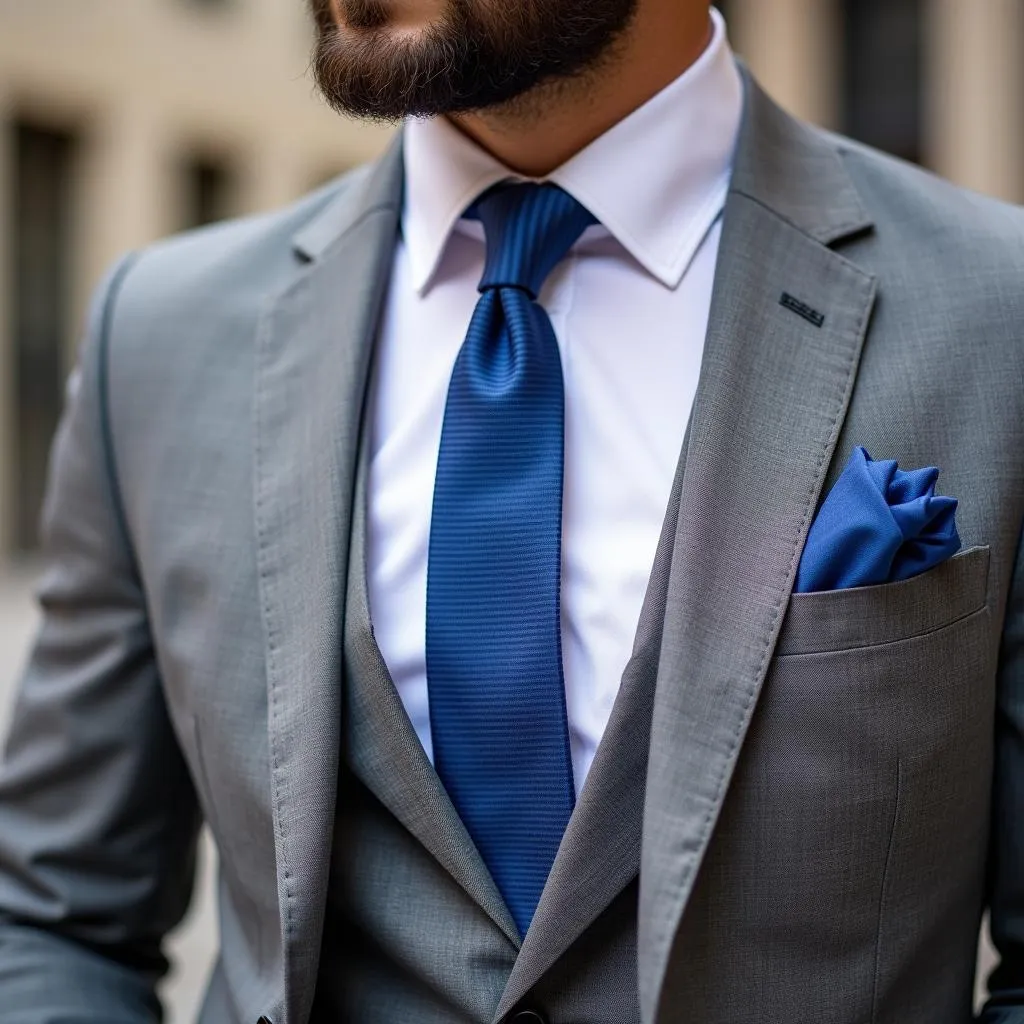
{"points": [[669, 276], [421, 272]]}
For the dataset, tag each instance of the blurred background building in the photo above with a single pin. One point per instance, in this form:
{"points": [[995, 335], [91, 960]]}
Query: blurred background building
{"points": [[123, 120]]}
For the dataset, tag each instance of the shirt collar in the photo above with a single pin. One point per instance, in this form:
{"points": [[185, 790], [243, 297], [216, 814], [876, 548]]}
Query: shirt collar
{"points": [[675, 152]]}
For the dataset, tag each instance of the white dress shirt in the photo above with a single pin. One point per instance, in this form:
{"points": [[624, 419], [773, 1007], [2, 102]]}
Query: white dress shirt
{"points": [[629, 307]]}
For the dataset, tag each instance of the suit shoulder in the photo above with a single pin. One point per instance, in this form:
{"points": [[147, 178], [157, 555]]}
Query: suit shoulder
{"points": [[907, 198], [949, 265], [181, 323], [940, 250], [244, 257]]}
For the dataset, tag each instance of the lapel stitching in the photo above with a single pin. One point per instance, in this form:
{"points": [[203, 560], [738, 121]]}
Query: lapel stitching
{"points": [[773, 397], [314, 336]]}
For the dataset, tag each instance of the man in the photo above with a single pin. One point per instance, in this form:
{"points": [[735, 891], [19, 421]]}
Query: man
{"points": [[479, 546]]}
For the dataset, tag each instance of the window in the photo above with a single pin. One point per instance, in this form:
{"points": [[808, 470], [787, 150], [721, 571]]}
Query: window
{"points": [[41, 239], [209, 192], [882, 88]]}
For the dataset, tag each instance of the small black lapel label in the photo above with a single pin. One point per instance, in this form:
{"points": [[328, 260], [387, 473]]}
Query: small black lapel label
{"points": [[802, 309]]}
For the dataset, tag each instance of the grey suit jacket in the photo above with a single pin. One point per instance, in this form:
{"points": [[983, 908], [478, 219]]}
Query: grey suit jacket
{"points": [[835, 782]]}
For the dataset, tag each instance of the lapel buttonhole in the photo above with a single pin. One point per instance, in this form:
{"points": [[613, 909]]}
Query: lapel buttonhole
{"points": [[802, 309]]}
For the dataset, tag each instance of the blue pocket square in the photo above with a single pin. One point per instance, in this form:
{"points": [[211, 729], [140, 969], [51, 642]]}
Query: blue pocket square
{"points": [[879, 524]]}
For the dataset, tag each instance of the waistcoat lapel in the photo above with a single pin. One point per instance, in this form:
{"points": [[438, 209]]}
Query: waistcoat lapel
{"points": [[774, 389], [384, 752], [314, 350]]}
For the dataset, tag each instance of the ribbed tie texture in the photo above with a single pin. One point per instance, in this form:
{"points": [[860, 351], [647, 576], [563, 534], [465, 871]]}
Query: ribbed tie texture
{"points": [[494, 659]]}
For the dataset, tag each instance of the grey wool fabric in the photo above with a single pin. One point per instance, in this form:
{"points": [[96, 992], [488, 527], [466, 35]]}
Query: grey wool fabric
{"points": [[416, 929], [803, 804]]}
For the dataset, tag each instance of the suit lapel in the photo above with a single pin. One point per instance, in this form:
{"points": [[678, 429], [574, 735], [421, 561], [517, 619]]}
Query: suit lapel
{"points": [[775, 385], [314, 350]]}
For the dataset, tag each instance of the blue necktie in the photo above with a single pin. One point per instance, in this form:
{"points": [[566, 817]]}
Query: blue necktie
{"points": [[494, 656]]}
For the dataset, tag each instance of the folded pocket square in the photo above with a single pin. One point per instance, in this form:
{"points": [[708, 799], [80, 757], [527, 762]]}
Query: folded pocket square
{"points": [[879, 524]]}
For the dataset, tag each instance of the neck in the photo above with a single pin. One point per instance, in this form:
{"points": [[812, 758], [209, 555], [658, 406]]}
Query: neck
{"points": [[539, 132]]}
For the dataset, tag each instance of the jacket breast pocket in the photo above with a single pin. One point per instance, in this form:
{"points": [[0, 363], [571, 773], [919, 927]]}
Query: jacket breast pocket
{"points": [[866, 678], [864, 782], [838, 620]]}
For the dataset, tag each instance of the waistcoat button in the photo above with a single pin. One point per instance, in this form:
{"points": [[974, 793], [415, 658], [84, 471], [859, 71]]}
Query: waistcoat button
{"points": [[529, 1017]]}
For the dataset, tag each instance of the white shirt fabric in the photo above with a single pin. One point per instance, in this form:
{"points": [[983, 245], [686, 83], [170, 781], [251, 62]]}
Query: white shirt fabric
{"points": [[630, 309]]}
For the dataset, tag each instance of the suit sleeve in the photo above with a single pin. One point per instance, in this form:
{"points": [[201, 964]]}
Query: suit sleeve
{"points": [[1006, 869], [98, 818]]}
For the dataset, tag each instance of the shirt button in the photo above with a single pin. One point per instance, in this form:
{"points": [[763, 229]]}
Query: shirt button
{"points": [[529, 1017]]}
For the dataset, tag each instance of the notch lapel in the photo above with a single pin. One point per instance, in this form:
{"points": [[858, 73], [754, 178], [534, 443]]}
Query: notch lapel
{"points": [[314, 348], [774, 391]]}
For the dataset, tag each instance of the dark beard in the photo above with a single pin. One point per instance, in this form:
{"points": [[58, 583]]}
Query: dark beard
{"points": [[481, 53]]}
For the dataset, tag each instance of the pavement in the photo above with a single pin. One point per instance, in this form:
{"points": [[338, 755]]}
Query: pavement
{"points": [[192, 948]]}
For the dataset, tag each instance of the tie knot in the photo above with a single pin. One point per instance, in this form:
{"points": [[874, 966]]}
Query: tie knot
{"points": [[529, 230]]}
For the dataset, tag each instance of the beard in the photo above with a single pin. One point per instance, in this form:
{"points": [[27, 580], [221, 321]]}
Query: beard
{"points": [[477, 54]]}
